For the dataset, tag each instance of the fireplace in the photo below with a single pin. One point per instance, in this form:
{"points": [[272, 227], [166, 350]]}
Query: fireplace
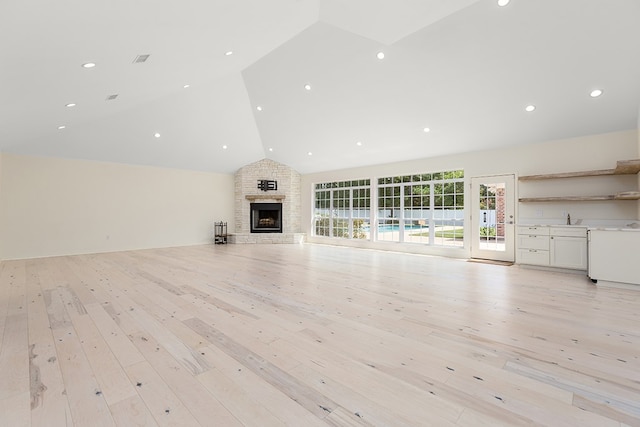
{"points": [[281, 226], [266, 217]]}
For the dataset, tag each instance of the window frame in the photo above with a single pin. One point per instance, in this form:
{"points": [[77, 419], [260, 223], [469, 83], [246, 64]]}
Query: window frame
{"points": [[391, 194]]}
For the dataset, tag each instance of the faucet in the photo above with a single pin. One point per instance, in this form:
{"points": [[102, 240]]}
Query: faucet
{"points": [[568, 219]]}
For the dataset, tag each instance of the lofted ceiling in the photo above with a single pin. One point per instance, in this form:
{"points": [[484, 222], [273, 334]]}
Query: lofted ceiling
{"points": [[465, 69]]}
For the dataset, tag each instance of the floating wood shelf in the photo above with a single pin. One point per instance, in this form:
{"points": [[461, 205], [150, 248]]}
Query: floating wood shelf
{"points": [[628, 167], [623, 167], [265, 197], [566, 199], [568, 175], [626, 195]]}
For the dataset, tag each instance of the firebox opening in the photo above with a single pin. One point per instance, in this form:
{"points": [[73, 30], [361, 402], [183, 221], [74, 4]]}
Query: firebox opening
{"points": [[266, 217]]}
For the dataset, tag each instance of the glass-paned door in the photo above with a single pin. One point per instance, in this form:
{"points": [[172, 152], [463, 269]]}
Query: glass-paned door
{"points": [[492, 218]]}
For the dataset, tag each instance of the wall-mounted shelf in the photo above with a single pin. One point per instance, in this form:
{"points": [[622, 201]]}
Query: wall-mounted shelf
{"points": [[623, 167], [265, 197], [627, 195]]}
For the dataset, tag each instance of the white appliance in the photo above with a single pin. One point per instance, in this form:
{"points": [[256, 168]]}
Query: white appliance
{"points": [[614, 255]]}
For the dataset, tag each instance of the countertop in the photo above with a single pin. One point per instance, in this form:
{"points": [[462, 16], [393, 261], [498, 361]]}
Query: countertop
{"points": [[637, 229], [634, 226]]}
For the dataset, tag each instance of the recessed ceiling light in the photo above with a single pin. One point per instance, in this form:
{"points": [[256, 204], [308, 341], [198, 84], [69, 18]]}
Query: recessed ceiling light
{"points": [[309, 153], [307, 86], [61, 127], [270, 149], [89, 65], [359, 143], [71, 104], [157, 135], [224, 147], [228, 53], [503, 2], [426, 130], [530, 108], [380, 55], [259, 108], [595, 93], [186, 86]]}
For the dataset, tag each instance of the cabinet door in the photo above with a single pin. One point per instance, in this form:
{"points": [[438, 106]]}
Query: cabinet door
{"points": [[569, 252]]}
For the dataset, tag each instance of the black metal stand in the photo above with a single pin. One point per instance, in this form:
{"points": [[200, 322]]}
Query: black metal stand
{"points": [[220, 233]]}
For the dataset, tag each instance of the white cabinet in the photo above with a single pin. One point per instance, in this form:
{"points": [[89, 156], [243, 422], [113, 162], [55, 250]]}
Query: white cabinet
{"points": [[568, 247], [614, 255], [533, 245], [554, 246]]}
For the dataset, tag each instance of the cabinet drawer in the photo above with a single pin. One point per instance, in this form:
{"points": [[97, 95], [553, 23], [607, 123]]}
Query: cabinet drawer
{"points": [[533, 242], [569, 231], [538, 231], [533, 257]]}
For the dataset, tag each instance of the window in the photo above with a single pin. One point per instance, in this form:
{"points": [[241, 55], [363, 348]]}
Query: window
{"points": [[423, 208], [342, 209], [322, 205]]}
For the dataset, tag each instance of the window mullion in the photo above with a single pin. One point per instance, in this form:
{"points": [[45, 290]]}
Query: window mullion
{"points": [[374, 206], [432, 223], [331, 217], [350, 221], [401, 215]]}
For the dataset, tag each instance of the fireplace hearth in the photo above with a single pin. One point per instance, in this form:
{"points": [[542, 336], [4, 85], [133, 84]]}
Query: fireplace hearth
{"points": [[266, 217]]}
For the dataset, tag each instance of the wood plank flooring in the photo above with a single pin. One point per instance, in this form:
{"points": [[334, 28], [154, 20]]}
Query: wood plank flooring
{"points": [[311, 335]]}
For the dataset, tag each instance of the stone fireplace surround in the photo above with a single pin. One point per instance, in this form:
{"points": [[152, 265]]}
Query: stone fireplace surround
{"points": [[247, 192]]}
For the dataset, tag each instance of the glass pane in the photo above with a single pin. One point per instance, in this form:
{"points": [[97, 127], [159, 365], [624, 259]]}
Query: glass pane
{"points": [[341, 228], [416, 231], [388, 230], [322, 226], [361, 228], [492, 217]]}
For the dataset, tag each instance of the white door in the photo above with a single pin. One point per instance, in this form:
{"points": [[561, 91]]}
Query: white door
{"points": [[492, 218]]}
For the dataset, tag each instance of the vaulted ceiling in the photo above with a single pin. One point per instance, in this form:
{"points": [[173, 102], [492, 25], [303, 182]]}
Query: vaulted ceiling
{"points": [[464, 69]]}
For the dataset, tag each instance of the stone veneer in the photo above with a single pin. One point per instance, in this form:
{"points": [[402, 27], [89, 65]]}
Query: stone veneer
{"points": [[246, 185]]}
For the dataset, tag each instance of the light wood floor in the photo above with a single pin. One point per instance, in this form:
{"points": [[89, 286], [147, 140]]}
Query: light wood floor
{"points": [[311, 335]]}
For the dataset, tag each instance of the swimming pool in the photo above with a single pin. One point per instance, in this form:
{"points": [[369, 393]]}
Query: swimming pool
{"points": [[396, 227]]}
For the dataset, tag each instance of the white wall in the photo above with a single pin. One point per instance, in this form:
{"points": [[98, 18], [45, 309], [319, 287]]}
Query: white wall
{"points": [[54, 207], [575, 154]]}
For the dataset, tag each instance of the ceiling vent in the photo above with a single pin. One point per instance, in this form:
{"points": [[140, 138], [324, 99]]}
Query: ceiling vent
{"points": [[141, 58], [112, 97]]}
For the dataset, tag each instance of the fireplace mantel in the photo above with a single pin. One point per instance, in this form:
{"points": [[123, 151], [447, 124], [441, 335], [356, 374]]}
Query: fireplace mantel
{"points": [[265, 197]]}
